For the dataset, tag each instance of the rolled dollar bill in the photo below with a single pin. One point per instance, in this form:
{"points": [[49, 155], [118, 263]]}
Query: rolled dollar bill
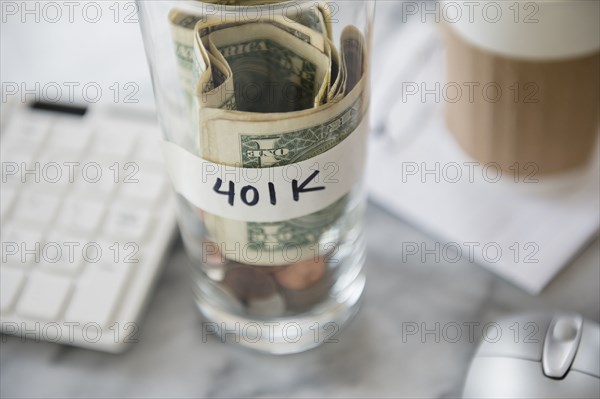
{"points": [[316, 19], [273, 70]]}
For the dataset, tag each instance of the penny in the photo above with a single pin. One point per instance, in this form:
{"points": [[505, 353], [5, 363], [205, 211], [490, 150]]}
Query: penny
{"points": [[300, 301], [301, 275], [249, 283]]}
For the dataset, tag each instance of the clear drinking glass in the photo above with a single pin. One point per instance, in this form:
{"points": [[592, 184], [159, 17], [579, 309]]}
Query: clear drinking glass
{"points": [[264, 108]]}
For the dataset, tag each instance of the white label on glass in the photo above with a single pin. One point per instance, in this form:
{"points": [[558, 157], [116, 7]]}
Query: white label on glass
{"points": [[269, 194]]}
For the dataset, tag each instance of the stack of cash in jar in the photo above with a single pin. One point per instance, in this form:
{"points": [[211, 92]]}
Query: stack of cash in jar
{"points": [[284, 74]]}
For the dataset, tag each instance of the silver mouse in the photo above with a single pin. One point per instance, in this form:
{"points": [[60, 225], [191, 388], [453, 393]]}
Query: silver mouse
{"points": [[545, 355]]}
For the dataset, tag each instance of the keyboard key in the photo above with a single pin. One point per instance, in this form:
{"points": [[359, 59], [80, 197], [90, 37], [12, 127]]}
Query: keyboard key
{"points": [[127, 222], [44, 296], [7, 198], [18, 166], [29, 128], [74, 136], [148, 188], [37, 207], [114, 140], [63, 253], [114, 250], [60, 168], [81, 214], [99, 177], [21, 246], [17, 154], [98, 292], [11, 281]]}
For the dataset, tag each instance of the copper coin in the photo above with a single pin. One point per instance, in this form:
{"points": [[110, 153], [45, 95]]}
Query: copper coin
{"points": [[301, 301], [249, 282], [302, 275]]}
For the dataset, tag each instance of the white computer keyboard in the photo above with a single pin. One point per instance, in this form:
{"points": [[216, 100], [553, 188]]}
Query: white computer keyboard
{"points": [[87, 218]]}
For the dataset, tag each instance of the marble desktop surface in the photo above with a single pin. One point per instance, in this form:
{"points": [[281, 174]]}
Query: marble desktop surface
{"points": [[370, 358]]}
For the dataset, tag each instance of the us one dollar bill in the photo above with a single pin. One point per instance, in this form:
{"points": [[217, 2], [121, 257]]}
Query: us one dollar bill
{"points": [[315, 19], [308, 96]]}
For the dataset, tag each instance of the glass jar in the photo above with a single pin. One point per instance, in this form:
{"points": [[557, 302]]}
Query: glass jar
{"points": [[264, 108]]}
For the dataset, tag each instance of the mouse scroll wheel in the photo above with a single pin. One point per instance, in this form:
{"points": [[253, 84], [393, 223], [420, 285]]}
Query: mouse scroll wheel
{"points": [[560, 344]]}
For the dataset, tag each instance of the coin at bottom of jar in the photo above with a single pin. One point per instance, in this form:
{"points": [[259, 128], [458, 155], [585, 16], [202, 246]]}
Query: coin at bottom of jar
{"points": [[248, 282], [300, 301], [301, 275]]}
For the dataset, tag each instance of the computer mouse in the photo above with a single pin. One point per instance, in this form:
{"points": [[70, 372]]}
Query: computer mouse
{"points": [[545, 355]]}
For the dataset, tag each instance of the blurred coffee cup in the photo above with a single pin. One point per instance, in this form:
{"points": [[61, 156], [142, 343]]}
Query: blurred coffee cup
{"points": [[528, 77]]}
